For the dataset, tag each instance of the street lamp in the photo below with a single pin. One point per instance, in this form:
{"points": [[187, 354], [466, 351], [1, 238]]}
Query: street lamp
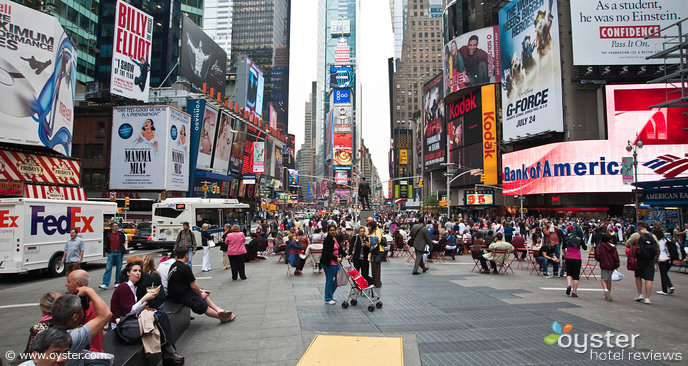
{"points": [[633, 147]]}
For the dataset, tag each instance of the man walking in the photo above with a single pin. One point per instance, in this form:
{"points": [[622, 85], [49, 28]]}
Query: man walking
{"points": [[115, 242], [421, 238], [73, 252], [186, 239]]}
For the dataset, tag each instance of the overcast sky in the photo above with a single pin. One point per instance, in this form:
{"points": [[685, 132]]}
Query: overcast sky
{"points": [[376, 46]]}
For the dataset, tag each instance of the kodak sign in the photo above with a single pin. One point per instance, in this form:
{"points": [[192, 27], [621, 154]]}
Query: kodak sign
{"points": [[490, 171]]}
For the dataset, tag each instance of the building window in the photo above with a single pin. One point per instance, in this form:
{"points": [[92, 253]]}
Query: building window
{"points": [[93, 151], [100, 132]]}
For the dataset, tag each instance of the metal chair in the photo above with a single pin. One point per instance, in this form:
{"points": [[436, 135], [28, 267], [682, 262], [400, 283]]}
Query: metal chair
{"points": [[588, 269], [290, 269]]}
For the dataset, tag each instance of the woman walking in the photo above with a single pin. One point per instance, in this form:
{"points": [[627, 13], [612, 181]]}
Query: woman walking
{"points": [[664, 262], [236, 251], [572, 245], [206, 237], [330, 261], [608, 258]]}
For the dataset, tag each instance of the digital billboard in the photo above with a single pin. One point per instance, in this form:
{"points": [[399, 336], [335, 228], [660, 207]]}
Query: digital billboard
{"points": [[149, 148], [255, 89], [613, 32], [341, 177], [473, 199], [37, 79], [341, 96], [201, 60], [595, 165], [343, 155], [259, 157], [293, 178], [223, 144], [471, 59], [131, 52], [342, 77], [531, 69], [434, 137]]}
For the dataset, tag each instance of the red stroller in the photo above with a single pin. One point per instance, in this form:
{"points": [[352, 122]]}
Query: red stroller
{"points": [[360, 287]]}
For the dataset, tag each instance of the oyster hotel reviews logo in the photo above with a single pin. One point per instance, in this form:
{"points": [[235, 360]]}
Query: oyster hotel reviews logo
{"points": [[607, 346]]}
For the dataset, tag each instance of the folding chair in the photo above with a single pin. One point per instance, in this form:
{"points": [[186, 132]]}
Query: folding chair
{"points": [[411, 254], [290, 269], [534, 263], [475, 254], [503, 266], [588, 269], [314, 256]]}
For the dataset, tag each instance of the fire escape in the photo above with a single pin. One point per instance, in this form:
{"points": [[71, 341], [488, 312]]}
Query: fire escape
{"points": [[675, 46]]}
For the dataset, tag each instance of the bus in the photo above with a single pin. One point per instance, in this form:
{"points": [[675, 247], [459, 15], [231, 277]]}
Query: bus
{"points": [[169, 215]]}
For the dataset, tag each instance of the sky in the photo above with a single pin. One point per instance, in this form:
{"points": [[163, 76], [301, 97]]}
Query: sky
{"points": [[376, 46]]}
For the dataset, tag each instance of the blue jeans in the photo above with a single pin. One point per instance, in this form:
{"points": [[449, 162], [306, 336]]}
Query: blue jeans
{"points": [[545, 263], [330, 280], [116, 259], [190, 258]]}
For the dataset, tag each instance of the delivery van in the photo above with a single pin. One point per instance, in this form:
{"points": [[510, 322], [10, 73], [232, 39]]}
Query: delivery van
{"points": [[33, 232]]}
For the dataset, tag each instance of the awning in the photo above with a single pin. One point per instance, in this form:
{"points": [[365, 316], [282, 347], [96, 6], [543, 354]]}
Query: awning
{"points": [[400, 200], [54, 192]]}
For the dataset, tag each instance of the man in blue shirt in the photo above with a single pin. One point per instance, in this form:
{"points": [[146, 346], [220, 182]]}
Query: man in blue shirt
{"points": [[73, 252]]}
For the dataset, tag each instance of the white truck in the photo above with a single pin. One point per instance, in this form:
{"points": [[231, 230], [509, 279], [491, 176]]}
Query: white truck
{"points": [[33, 232]]}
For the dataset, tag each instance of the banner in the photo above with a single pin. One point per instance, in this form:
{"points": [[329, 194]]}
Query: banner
{"points": [[149, 149], [237, 157], [293, 178], [207, 140], [490, 170], [403, 156], [613, 32], [201, 60], [259, 157], [596, 165], [435, 140], [223, 144], [24, 167], [37, 81], [531, 69], [472, 59], [131, 52]]}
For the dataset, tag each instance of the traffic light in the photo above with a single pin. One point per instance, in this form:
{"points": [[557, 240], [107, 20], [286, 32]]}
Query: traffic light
{"points": [[420, 183], [126, 201]]}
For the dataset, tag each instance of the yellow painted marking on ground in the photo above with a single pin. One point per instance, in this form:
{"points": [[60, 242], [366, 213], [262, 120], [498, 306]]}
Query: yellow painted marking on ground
{"points": [[377, 351]]}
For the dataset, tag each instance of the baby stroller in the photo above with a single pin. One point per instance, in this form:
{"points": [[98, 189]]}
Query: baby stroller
{"points": [[360, 287]]}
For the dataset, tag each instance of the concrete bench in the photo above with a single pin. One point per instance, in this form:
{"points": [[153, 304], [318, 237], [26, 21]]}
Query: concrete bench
{"points": [[132, 354]]}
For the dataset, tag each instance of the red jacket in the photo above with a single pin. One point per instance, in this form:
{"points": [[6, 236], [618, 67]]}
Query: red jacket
{"points": [[122, 300], [607, 256]]}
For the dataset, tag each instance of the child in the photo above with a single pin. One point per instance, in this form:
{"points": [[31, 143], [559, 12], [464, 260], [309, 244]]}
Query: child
{"points": [[608, 259]]}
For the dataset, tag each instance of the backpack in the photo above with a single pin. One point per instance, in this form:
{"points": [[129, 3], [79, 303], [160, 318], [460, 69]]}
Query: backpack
{"points": [[573, 241], [647, 248], [672, 248], [632, 260]]}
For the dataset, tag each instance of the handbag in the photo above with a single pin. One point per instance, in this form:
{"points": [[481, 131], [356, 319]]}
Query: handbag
{"points": [[128, 330], [211, 243], [342, 277]]}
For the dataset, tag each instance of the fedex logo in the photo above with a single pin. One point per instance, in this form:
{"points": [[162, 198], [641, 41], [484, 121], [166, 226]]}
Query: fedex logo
{"points": [[6, 220], [61, 224]]}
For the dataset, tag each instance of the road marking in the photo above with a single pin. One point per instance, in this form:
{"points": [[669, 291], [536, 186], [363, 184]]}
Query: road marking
{"points": [[564, 288], [203, 278], [18, 306]]}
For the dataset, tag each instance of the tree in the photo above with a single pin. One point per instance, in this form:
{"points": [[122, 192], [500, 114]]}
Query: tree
{"points": [[430, 202]]}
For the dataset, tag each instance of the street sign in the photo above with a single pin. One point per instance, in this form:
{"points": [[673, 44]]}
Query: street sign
{"points": [[204, 187], [378, 188], [113, 197]]}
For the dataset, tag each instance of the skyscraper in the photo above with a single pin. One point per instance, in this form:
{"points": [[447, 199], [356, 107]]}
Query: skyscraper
{"points": [[260, 30], [217, 23]]}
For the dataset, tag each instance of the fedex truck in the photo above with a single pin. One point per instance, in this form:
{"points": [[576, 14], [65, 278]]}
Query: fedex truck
{"points": [[33, 232]]}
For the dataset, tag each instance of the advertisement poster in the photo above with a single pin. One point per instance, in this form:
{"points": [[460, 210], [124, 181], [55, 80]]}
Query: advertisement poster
{"points": [[201, 60], [596, 165], [24, 167], [131, 52], [255, 89], [342, 77], [434, 137], [343, 149], [37, 79], [223, 144], [341, 177], [207, 138], [531, 69], [237, 153], [613, 32], [489, 132], [149, 149], [259, 157], [472, 59], [293, 178]]}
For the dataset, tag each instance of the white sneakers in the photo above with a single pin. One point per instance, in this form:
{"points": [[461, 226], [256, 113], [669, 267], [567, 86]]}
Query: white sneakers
{"points": [[331, 302], [607, 296], [647, 301], [102, 287], [662, 293], [638, 298]]}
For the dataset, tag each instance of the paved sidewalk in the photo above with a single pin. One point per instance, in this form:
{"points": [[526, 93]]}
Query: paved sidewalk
{"points": [[447, 316]]}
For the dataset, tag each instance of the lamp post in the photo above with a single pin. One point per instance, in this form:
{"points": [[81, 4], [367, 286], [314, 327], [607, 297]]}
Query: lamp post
{"points": [[633, 147]]}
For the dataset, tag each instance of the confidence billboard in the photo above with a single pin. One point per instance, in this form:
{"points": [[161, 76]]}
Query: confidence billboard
{"points": [[201, 59], [613, 32], [434, 137], [149, 148], [37, 79], [531, 69], [472, 59], [595, 165], [131, 52]]}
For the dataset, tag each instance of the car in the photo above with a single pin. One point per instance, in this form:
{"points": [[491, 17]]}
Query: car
{"points": [[142, 237], [129, 228]]}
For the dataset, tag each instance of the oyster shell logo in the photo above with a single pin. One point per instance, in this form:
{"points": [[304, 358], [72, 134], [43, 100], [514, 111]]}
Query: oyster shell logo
{"points": [[54, 194], [63, 171], [30, 167]]}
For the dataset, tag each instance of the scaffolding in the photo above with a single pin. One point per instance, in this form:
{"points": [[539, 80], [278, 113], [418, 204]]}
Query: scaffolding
{"points": [[675, 46]]}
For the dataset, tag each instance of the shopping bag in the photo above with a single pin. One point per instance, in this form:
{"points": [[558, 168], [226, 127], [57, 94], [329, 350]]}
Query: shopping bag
{"points": [[211, 243], [617, 276], [342, 278]]}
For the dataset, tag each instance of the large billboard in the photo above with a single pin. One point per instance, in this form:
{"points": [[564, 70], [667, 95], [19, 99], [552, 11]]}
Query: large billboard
{"points": [[201, 60], [131, 52], [236, 156], [342, 77], [434, 137], [343, 155], [595, 165], [207, 139], [38, 63], [254, 89], [531, 69], [613, 32], [203, 129], [472, 59], [149, 148], [223, 144], [259, 157]]}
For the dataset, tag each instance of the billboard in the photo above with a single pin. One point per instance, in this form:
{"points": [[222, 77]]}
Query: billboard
{"points": [[201, 59], [531, 69], [293, 178], [131, 52], [342, 116], [207, 139], [25, 167], [254, 89], [38, 63], [472, 59], [613, 32], [341, 177], [489, 134], [595, 165], [203, 128], [343, 155], [342, 77], [236, 158], [340, 27], [223, 144], [473, 199], [259, 157], [149, 148], [434, 138], [341, 96]]}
